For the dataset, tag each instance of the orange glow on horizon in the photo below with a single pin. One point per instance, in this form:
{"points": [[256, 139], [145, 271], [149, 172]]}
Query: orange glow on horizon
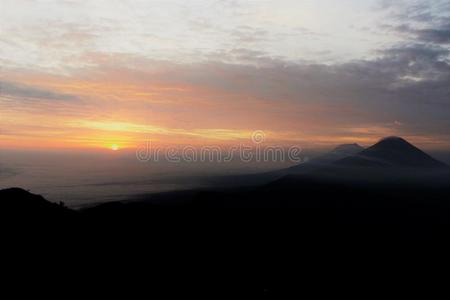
{"points": [[123, 110]]}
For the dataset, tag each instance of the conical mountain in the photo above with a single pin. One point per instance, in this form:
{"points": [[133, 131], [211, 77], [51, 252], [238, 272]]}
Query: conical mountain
{"points": [[392, 152]]}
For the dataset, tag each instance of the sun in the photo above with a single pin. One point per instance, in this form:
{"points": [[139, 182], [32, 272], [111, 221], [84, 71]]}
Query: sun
{"points": [[114, 147]]}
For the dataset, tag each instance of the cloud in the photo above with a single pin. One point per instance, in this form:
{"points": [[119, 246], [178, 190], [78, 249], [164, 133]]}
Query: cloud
{"points": [[361, 100], [423, 21], [407, 83], [241, 85], [243, 88], [247, 34], [439, 35], [30, 92]]}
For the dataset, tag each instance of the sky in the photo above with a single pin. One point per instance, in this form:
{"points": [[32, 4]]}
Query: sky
{"points": [[101, 74]]}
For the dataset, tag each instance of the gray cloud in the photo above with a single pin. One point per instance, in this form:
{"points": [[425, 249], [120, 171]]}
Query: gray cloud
{"points": [[25, 91], [424, 21], [439, 36], [247, 34]]}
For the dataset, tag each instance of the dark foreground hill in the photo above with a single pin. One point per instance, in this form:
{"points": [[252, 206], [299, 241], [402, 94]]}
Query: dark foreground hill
{"points": [[294, 236], [21, 205]]}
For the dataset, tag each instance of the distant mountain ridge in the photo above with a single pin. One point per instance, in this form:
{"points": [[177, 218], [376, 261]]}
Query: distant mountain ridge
{"points": [[339, 152], [390, 157], [348, 148], [391, 152]]}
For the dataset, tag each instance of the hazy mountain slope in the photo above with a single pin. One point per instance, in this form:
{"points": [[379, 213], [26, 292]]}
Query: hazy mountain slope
{"points": [[337, 153], [340, 152]]}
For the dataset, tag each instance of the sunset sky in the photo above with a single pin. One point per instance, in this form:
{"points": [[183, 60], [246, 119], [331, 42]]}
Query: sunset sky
{"points": [[93, 74]]}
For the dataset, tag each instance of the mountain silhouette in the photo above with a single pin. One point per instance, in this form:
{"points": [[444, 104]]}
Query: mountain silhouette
{"points": [[391, 152], [340, 152]]}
